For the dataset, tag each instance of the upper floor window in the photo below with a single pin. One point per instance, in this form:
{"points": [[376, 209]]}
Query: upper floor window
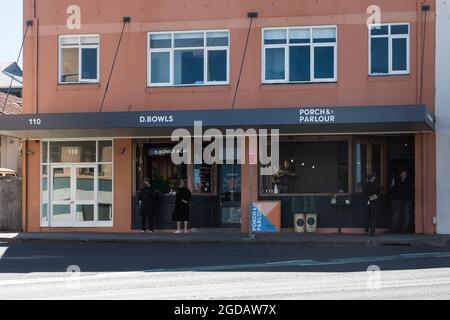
{"points": [[78, 59], [188, 58], [389, 49], [299, 55]]}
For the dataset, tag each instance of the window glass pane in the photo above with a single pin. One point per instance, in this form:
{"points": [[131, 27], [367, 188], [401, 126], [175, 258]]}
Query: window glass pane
{"points": [[324, 62], [300, 63], [184, 40], [44, 188], [89, 40], [343, 166], [72, 151], [70, 41], [399, 55], [105, 151], [379, 55], [158, 41], [160, 67], [85, 184], [231, 215], [400, 29], [231, 183], [70, 65], [380, 30], [89, 63], [61, 184], [164, 174], [44, 152], [324, 35], [361, 166], [203, 175], [85, 212], [61, 213], [376, 161], [300, 36], [275, 36], [217, 65], [302, 162], [105, 187], [188, 67], [217, 39], [275, 64]]}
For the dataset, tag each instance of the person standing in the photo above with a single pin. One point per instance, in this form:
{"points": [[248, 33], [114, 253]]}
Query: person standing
{"points": [[182, 207], [372, 191], [146, 205], [402, 193]]}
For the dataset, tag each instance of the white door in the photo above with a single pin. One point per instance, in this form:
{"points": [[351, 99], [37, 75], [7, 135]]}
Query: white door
{"points": [[73, 196], [84, 197], [61, 196]]}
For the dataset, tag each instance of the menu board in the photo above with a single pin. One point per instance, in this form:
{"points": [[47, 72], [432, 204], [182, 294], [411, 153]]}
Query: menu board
{"points": [[203, 179], [231, 183], [231, 215]]}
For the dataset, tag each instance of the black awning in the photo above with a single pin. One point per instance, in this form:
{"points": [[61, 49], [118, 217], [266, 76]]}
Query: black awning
{"points": [[313, 120]]}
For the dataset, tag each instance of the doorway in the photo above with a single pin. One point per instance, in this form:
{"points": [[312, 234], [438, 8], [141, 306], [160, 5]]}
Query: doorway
{"points": [[230, 195], [73, 195], [401, 157], [370, 155]]}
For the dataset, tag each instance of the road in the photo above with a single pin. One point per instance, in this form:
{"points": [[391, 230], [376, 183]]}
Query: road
{"points": [[38, 270]]}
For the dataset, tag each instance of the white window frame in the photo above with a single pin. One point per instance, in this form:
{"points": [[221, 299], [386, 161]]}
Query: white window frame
{"points": [[286, 47], [391, 37], [80, 47], [172, 50], [74, 224]]}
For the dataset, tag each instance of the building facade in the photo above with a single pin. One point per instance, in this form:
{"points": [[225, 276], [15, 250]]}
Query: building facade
{"points": [[443, 120], [107, 82]]}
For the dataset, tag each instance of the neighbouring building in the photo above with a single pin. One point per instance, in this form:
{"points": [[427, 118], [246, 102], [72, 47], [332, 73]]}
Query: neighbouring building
{"points": [[443, 114], [11, 78], [350, 101], [10, 104]]}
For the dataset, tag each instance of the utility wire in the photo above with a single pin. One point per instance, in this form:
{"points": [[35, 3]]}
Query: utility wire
{"points": [[125, 21], [13, 75], [242, 63]]}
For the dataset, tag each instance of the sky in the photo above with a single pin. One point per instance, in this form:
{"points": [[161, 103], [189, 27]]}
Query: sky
{"points": [[10, 29]]}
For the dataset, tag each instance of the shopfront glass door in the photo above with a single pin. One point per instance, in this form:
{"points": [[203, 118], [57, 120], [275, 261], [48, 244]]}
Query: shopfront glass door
{"points": [[73, 195], [61, 196], [85, 193], [370, 160], [230, 195]]}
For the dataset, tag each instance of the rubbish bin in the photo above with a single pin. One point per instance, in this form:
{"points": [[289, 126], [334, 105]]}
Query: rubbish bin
{"points": [[299, 222], [311, 223]]}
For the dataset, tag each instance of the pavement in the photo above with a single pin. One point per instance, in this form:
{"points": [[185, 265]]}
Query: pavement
{"points": [[235, 237]]}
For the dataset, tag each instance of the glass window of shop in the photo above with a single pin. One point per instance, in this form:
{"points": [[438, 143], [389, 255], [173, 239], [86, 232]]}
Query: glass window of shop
{"points": [[77, 183], [164, 174], [204, 179], [310, 167]]}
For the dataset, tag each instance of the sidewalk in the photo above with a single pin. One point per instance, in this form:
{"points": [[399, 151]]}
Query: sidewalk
{"points": [[234, 237]]}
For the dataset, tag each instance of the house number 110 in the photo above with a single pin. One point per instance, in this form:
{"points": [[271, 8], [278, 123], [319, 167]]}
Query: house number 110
{"points": [[35, 121]]}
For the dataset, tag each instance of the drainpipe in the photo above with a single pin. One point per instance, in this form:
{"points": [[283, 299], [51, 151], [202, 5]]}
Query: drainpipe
{"points": [[36, 55], [25, 186]]}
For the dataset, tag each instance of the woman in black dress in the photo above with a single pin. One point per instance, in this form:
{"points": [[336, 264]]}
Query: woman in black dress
{"points": [[182, 207], [372, 191]]}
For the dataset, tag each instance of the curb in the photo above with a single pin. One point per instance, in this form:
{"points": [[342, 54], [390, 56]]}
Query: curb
{"points": [[438, 242]]}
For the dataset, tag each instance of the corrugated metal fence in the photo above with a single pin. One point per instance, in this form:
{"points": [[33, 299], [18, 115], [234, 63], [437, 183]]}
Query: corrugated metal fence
{"points": [[10, 204]]}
